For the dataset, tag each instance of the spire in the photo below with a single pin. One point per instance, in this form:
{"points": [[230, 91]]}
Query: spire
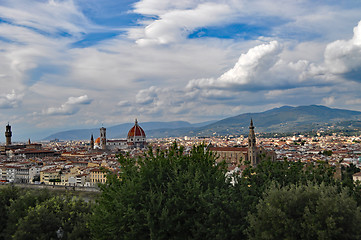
{"points": [[251, 124], [252, 154], [136, 121], [92, 142]]}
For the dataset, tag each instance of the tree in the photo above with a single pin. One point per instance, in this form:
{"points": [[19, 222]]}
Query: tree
{"points": [[305, 212], [19, 208], [169, 195], [45, 219], [286, 173], [7, 194]]}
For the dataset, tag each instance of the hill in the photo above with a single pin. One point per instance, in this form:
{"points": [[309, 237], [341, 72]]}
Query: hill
{"points": [[277, 120], [121, 130]]}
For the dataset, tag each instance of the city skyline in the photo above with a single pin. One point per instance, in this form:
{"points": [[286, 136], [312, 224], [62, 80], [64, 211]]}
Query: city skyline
{"points": [[80, 63]]}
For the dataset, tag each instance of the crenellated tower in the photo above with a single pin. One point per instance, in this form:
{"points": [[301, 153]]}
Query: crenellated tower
{"points": [[103, 138], [8, 135]]}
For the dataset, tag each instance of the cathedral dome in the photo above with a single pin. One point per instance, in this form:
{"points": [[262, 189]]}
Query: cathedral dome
{"points": [[136, 131]]}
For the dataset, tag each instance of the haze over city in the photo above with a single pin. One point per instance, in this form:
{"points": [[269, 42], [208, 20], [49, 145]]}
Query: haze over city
{"points": [[83, 63]]}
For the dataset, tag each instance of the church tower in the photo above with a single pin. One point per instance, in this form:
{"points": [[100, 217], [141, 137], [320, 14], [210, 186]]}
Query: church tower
{"points": [[103, 138], [252, 154], [8, 135], [92, 142]]}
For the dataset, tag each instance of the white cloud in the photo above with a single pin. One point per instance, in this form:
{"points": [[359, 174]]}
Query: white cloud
{"points": [[11, 100], [342, 59], [51, 16], [70, 107], [249, 69], [174, 77], [328, 100], [174, 25]]}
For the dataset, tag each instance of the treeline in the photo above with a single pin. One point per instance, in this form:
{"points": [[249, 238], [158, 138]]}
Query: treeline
{"points": [[170, 195], [40, 214]]}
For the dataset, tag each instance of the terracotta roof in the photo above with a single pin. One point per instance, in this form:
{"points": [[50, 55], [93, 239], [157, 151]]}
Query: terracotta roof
{"points": [[136, 131], [228, 149]]}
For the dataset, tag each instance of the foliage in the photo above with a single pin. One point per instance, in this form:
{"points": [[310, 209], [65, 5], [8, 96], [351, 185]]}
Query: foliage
{"points": [[43, 220], [305, 211], [19, 207], [286, 173], [38, 214], [6, 196], [169, 195]]}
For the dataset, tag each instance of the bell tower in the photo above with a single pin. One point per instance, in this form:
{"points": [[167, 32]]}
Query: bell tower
{"points": [[252, 151], [92, 142], [103, 138], [8, 135]]}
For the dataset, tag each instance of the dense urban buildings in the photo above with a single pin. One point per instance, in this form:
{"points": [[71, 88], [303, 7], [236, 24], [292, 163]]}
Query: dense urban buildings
{"points": [[85, 163]]}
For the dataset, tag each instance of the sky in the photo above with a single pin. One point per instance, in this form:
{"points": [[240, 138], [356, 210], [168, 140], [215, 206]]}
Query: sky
{"points": [[70, 64]]}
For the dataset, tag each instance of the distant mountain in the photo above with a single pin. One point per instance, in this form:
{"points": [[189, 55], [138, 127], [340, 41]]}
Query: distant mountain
{"points": [[277, 120], [286, 119], [281, 120], [121, 130]]}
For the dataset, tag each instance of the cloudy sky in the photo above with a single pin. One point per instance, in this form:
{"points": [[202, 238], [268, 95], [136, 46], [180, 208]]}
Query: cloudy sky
{"points": [[67, 64]]}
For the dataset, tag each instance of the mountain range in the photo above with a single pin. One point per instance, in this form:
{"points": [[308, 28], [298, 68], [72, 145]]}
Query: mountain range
{"points": [[277, 120], [121, 130]]}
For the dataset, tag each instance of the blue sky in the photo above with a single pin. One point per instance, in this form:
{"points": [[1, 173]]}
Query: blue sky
{"points": [[67, 64]]}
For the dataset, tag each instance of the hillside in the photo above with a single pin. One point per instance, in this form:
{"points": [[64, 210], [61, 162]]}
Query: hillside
{"points": [[281, 120], [121, 130], [277, 120]]}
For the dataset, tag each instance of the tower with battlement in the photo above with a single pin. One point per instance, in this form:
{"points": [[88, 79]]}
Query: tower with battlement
{"points": [[8, 135], [103, 138]]}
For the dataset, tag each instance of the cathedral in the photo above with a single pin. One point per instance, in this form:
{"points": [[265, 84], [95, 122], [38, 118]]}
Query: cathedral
{"points": [[236, 156], [136, 138]]}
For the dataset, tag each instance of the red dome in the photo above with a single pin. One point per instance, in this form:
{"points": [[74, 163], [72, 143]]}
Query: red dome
{"points": [[136, 131]]}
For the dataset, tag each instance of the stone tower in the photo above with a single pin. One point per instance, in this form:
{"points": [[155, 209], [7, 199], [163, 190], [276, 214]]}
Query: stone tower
{"points": [[103, 138], [252, 150], [92, 142], [8, 135]]}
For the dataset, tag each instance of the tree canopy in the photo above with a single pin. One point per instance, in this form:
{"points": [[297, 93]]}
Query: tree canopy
{"points": [[39, 214], [168, 195], [305, 212]]}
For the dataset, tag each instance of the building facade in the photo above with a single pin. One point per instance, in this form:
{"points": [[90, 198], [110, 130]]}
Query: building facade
{"points": [[235, 156], [136, 138]]}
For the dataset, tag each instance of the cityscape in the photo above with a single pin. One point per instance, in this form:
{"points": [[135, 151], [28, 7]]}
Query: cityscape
{"points": [[84, 163], [163, 119]]}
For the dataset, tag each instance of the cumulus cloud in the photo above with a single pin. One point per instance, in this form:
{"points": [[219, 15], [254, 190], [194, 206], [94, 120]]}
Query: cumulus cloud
{"points": [[249, 69], [70, 107], [174, 25], [11, 100], [42, 56], [342, 59]]}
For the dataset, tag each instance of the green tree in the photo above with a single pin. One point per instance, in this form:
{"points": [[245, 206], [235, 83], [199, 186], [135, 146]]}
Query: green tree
{"points": [[19, 208], [169, 195], [46, 218], [7, 194], [305, 212], [286, 173]]}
